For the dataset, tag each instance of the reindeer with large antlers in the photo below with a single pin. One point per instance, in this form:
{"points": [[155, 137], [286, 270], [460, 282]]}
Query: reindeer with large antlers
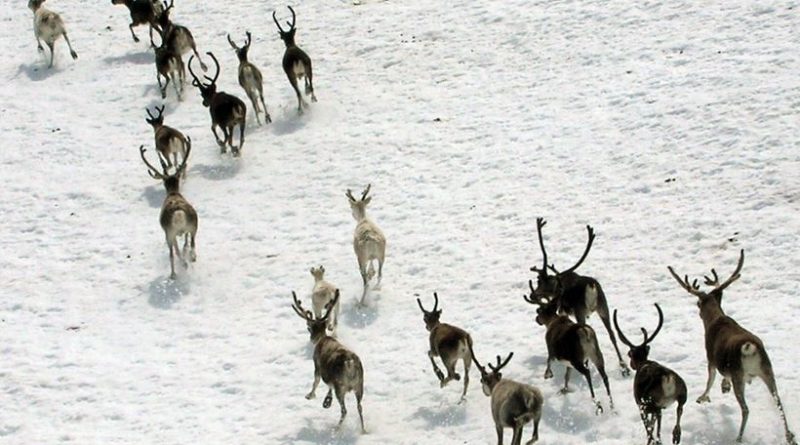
{"points": [[250, 78], [574, 344], [296, 63], [575, 294], [169, 142], [369, 242], [513, 404], [178, 217], [735, 352], [449, 343], [338, 367], [177, 37], [227, 111], [655, 386]]}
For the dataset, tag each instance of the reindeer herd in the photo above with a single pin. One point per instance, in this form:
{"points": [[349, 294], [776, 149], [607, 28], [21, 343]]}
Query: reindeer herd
{"points": [[563, 300]]}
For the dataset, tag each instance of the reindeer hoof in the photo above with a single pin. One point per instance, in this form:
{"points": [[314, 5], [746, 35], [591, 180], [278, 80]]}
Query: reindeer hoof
{"points": [[725, 386], [598, 410], [563, 391], [439, 375], [327, 402], [172, 276], [548, 374], [703, 399], [268, 119]]}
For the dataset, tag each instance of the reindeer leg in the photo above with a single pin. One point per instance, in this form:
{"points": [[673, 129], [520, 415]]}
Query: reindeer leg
{"points": [[359, 395], [254, 100], [52, 53], [300, 101], [580, 367], [769, 379], [601, 368], [69, 44], [221, 143], [657, 415], [499, 429], [548, 373], [313, 392], [241, 135], [309, 82], [196, 54], [516, 435], [676, 432], [738, 391], [647, 427], [267, 118], [381, 256], [340, 398], [39, 44], [712, 374], [602, 312], [467, 362], [436, 369], [535, 437], [363, 268], [135, 39], [326, 403], [170, 245], [565, 389], [163, 87], [193, 255]]}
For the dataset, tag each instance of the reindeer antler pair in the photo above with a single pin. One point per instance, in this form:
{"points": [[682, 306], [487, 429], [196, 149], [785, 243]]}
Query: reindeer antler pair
{"points": [[540, 223], [246, 42], [435, 304], [647, 338], [291, 25], [694, 288], [154, 173], [350, 196], [196, 82], [308, 315]]}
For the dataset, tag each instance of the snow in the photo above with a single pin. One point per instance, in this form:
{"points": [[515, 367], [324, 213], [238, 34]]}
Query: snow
{"points": [[671, 127]]}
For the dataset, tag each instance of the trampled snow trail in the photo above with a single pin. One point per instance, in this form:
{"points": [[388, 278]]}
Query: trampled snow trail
{"points": [[671, 127]]}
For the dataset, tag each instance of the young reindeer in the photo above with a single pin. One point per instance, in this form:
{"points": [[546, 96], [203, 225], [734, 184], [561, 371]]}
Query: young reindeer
{"points": [[513, 404], [169, 142], [449, 343], [142, 12], [178, 38], [169, 65], [575, 294], [227, 111], [48, 26], [368, 240], [250, 78], [338, 367], [178, 217], [735, 352], [322, 294], [655, 387], [574, 344], [296, 63]]}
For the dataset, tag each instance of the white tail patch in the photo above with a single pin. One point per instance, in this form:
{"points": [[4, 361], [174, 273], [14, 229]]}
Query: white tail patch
{"points": [[587, 341], [179, 220], [299, 69], [370, 271], [751, 361], [668, 386], [591, 297]]}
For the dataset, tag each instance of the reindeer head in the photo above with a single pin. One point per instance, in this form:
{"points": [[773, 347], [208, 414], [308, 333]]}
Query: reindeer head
{"points": [[712, 300], [318, 273], [638, 353], [286, 36], [206, 90], [546, 305], [34, 5], [359, 206], [490, 379], [550, 284], [431, 317], [155, 121], [171, 181], [316, 326], [241, 52]]}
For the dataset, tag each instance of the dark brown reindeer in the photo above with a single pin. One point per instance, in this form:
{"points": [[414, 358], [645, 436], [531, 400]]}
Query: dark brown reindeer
{"points": [[735, 352], [178, 217], [177, 37], [655, 386], [169, 142], [338, 367], [513, 404], [449, 343], [574, 344], [575, 294], [169, 65], [227, 111], [143, 12], [296, 63], [250, 78]]}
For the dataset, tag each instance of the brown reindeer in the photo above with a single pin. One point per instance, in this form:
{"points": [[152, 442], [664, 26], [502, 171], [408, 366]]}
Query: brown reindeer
{"points": [[296, 63], [250, 78], [177, 37], [170, 142], [142, 12]]}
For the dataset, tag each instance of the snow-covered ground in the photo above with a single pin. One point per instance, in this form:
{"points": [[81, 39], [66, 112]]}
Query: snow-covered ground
{"points": [[670, 126]]}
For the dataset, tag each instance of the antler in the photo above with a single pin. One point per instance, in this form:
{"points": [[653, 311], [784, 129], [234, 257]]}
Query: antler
{"points": [[154, 173], [168, 6], [532, 298], [294, 17], [540, 223], [472, 353], [159, 110], [435, 304], [249, 39], [350, 196], [366, 191], [734, 276], [648, 339], [196, 82], [500, 365], [277, 24], [298, 309], [330, 305], [692, 288], [185, 156], [585, 252], [622, 336], [216, 63], [232, 44]]}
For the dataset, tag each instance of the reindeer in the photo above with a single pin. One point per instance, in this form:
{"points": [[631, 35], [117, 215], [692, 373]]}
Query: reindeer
{"points": [[178, 38], [169, 65], [368, 240], [514, 404], [575, 294], [48, 26], [142, 12], [655, 387], [296, 62], [178, 217], [338, 367], [735, 352], [322, 294], [250, 78], [448, 342], [169, 142], [569, 342], [227, 111]]}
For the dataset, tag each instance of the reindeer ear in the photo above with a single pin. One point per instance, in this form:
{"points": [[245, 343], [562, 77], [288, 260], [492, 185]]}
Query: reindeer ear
{"points": [[368, 200]]}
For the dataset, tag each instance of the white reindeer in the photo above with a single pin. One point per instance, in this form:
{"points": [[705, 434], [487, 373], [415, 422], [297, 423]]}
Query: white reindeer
{"points": [[48, 26], [321, 295], [368, 240]]}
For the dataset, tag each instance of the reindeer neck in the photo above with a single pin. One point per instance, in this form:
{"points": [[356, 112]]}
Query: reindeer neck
{"points": [[710, 312]]}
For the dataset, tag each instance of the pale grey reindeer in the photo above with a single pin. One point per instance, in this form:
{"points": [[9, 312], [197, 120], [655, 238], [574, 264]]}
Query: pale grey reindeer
{"points": [[48, 26], [336, 365], [448, 342], [738, 354], [513, 404], [170, 143], [250, 78], [178, 217], [369, 242], [321, 295]]}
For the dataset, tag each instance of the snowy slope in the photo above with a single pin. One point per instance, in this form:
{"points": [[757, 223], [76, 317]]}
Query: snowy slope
{"points": [[470, 119]]}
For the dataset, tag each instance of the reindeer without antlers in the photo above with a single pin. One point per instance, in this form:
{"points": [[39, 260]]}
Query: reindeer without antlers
{"points": [[142, 12], [369, 242], [449, 343], [735, 352], [250, 78], [227, 111], [575, 294], [169, 142], [321, 295], [177, 37], [513, 404], [655, 386], [338, 367], [296, 63], [48, 26], [178, 217], [574, 344]]}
